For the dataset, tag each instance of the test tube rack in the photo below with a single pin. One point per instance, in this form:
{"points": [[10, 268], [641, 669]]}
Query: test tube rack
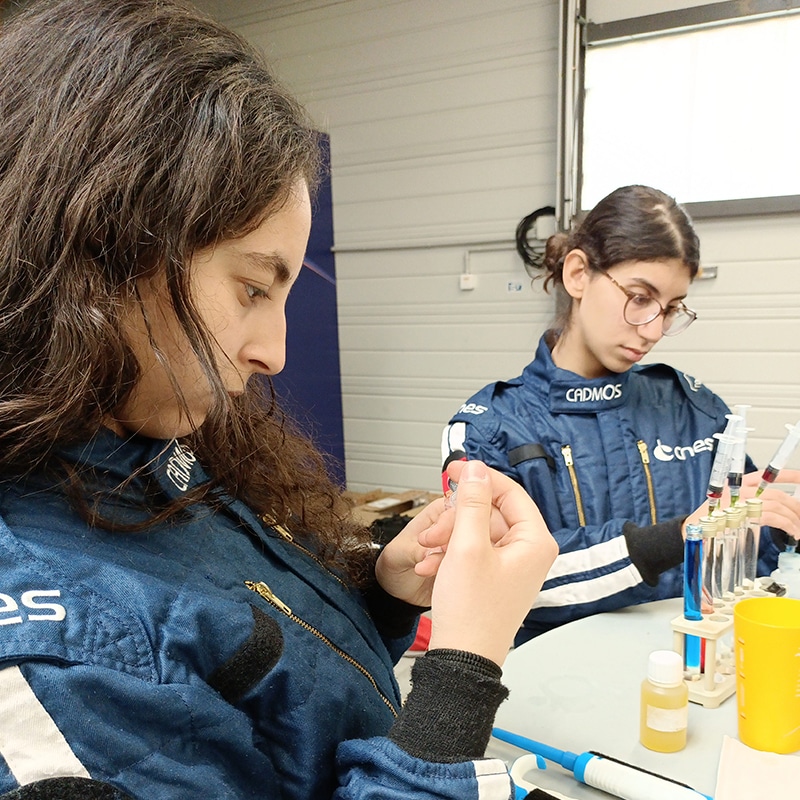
{"points": [[713, 685]]}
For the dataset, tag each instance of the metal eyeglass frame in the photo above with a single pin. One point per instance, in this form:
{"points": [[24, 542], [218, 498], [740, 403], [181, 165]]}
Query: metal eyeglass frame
{"points": [[681, 311]]}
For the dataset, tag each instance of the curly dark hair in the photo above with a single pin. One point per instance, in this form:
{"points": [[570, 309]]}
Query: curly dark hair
{"points": [[134, 133]]}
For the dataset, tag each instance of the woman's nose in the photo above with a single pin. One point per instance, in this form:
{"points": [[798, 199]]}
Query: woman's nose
{"points": [[653, 330], [265, 350]]}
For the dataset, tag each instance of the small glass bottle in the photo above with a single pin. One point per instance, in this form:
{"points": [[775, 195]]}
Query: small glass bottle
{"points": [[665, 703]]}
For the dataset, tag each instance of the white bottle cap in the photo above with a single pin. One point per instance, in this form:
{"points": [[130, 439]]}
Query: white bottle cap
{"points": [[665, 668], [789, 562]]}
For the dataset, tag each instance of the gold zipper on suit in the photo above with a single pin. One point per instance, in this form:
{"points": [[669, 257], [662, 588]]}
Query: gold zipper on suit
{"points": [[261, 588], [286, 535], [645, 456], [566, 452]]}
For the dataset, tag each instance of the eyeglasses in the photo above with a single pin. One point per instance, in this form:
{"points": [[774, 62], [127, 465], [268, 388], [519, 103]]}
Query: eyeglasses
{"points": [[642, 308]]}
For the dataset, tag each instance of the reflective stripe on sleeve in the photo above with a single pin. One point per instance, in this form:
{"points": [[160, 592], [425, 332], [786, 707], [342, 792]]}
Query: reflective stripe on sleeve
{"points": [[30, 741], [453, 437], [589, 591], [590, 558], [494, 782]]}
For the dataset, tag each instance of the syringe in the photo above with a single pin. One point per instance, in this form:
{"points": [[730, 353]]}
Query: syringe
{"points": [[739, 453], [782, 455], [722, 461]]}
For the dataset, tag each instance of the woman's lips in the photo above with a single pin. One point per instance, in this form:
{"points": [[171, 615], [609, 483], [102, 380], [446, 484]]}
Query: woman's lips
{"points": [[634, 355]]}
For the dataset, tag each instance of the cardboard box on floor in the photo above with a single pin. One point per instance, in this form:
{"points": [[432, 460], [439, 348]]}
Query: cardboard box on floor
{"points": [[369, 506]]}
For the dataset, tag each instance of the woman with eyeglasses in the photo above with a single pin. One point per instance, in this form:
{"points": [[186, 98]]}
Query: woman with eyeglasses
{"points": [[614, 453]]}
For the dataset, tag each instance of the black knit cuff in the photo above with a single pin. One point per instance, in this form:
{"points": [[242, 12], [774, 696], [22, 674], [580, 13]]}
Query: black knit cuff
{"points": [[449, 713], [655, 548], [393, 617], [66, 789]]}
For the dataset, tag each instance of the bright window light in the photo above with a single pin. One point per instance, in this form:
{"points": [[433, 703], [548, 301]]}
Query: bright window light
{"points": [[713, 114]]}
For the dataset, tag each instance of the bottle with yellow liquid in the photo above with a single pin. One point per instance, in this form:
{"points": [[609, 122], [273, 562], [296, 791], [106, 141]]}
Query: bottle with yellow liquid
{"points": [[665, 703]]}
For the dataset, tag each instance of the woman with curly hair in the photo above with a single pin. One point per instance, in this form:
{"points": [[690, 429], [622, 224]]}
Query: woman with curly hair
{"points": [[186, 608]]}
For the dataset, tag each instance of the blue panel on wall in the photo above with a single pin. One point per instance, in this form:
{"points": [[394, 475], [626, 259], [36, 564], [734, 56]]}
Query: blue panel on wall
{"points": [[309, 387]]}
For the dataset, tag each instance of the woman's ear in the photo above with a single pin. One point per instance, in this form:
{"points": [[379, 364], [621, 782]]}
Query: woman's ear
{"points": [[575, 273]]}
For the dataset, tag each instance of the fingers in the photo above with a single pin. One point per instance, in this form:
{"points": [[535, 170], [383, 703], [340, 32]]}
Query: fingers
{"points": [[484, 588], [426, 518], [473, 508], [513, 502], [751, 479], [789, 476], [780, 510], [784, 476], [428, 566]]}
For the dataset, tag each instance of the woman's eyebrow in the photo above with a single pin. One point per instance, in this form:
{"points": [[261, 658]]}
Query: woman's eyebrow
{"points": [[645, 284], [271, 263]]}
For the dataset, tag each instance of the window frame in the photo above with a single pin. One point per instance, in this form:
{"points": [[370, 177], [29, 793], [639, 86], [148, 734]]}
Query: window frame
{"points": [[577, 33]]}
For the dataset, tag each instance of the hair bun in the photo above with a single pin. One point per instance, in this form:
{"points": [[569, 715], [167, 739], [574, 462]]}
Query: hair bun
{"points": [[530, 251]]}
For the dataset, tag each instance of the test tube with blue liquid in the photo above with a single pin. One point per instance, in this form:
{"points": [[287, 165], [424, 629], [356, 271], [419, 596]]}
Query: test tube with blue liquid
{"points": [[693, 593]]}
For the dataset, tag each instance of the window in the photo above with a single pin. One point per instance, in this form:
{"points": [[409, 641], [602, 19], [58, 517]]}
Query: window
{"points": [[700, 102]]}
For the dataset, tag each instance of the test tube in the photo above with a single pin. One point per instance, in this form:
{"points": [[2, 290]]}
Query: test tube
{"points": [[730, 540], [741, 533], [719, 536], [693, 592], [751, 542], [708, 525]]}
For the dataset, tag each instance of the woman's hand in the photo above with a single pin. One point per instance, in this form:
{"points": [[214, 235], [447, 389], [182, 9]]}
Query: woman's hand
{"points": [[779, 509], [479, 565], [407, 565]]}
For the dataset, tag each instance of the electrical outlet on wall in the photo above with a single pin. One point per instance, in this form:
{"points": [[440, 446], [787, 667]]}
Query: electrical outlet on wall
{"points": [[467, 281]]}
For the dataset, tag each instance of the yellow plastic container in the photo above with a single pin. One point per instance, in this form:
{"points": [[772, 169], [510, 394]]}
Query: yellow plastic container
{"points": [[767, 644]]}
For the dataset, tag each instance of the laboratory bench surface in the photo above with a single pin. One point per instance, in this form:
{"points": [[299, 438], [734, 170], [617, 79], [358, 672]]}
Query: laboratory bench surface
{"points": [[577, 688]]}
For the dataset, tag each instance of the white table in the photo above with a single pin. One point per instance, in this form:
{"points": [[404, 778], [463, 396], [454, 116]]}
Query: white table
{"points": [[577, 688]]}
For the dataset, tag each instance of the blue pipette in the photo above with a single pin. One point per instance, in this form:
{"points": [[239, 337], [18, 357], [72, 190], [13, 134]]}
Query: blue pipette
{"points": [[612, 776], [782, 455]]}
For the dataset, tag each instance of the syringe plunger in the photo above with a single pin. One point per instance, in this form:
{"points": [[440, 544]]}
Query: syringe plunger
{"points": [[722, 459], [782, 455], [784, 452]]}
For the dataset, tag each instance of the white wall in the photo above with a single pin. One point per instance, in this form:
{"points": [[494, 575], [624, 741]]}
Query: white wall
{"points": [[442, 117]]}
